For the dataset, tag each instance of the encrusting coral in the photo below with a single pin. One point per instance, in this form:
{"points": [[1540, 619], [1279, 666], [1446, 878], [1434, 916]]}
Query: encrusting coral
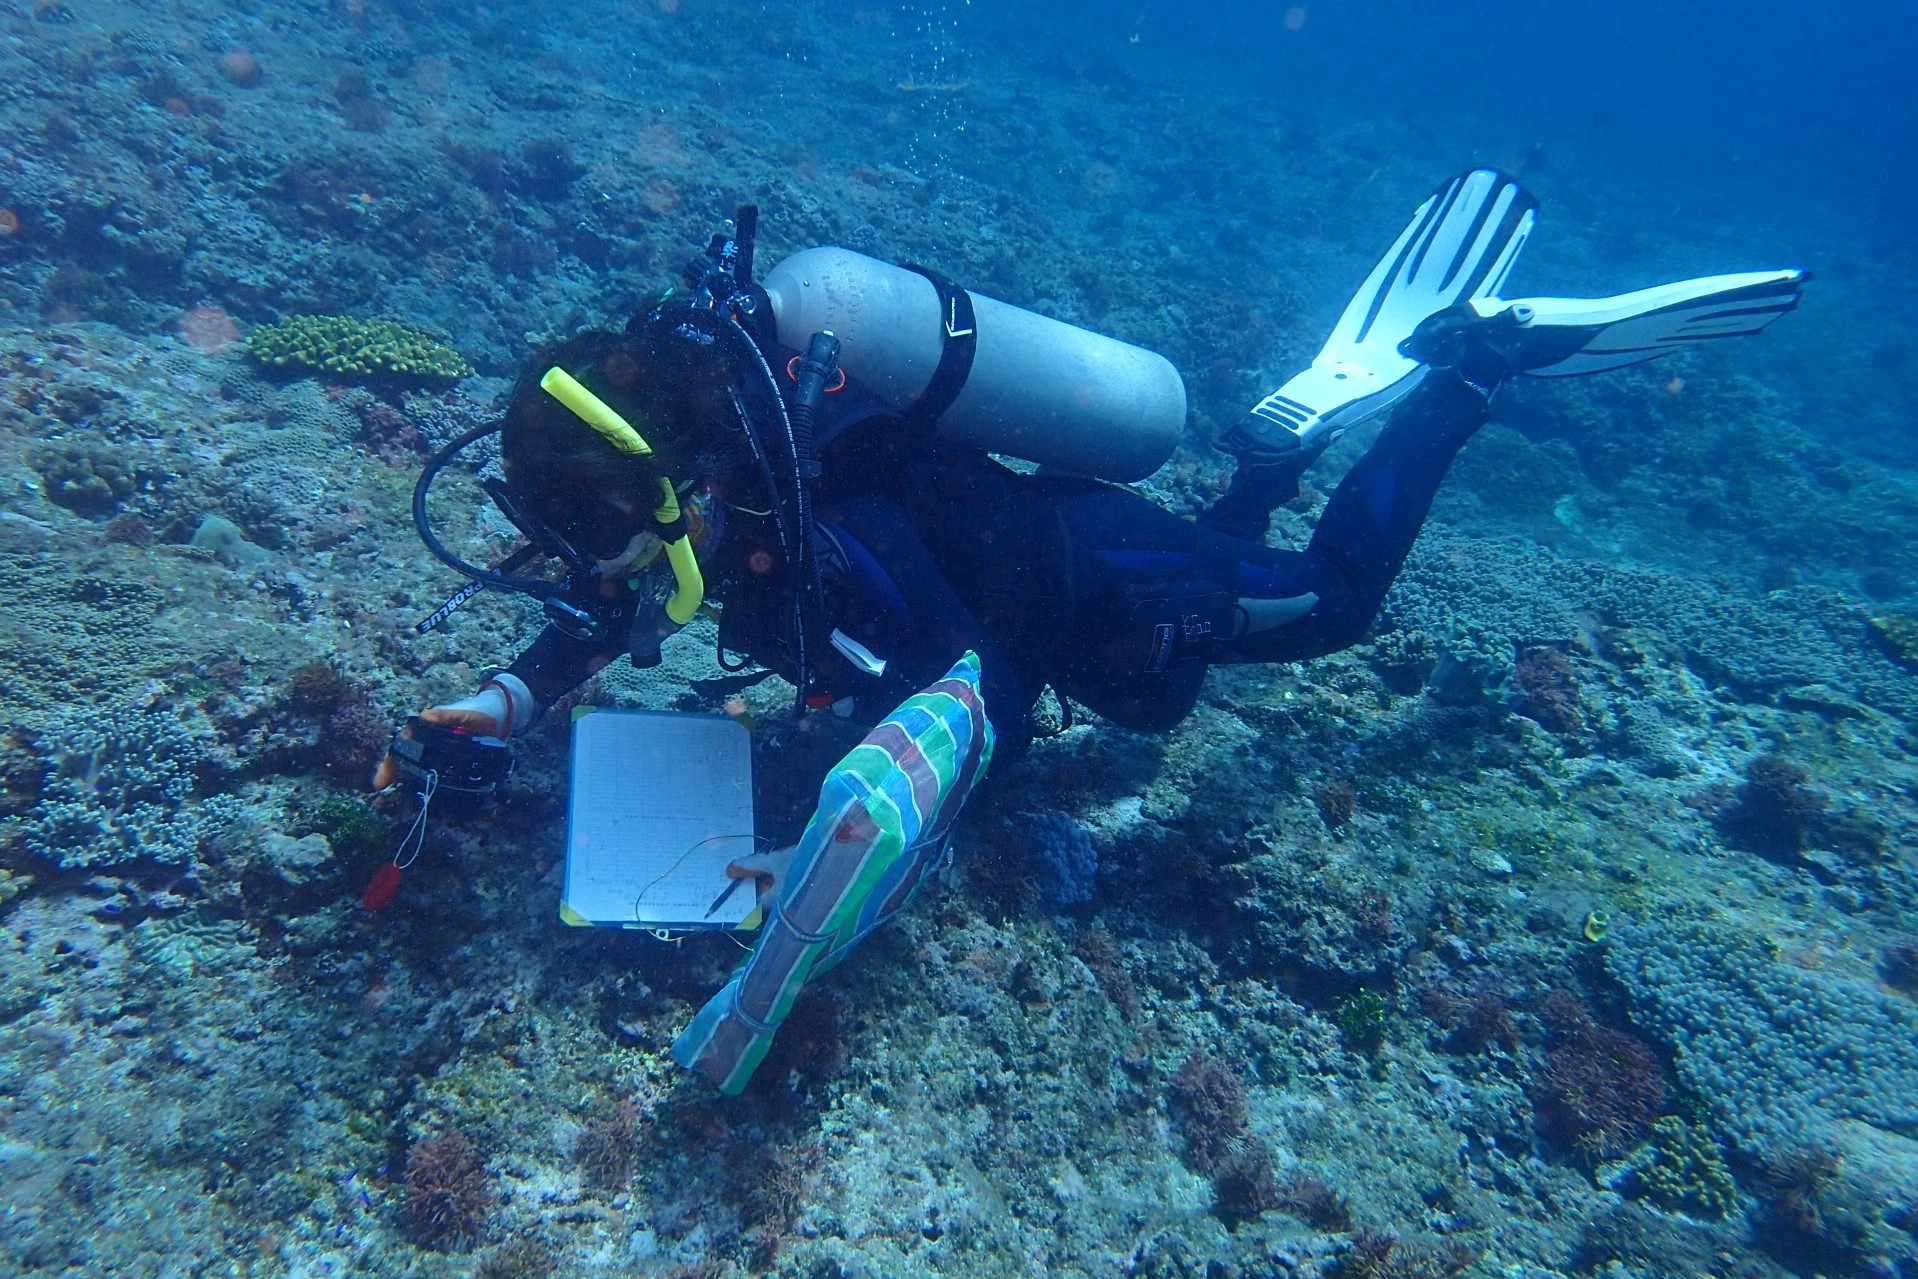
{"points": [[343, 344], [1684, 1170]]}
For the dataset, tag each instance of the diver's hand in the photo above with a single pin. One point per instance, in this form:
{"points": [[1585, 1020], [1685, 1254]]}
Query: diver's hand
{"points": [[502, 704], [770, 869]]}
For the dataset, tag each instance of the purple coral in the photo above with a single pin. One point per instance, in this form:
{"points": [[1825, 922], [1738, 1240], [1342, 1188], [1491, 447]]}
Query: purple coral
{"points": [[1773, 809], [449, 1195], [1600, 1089]]}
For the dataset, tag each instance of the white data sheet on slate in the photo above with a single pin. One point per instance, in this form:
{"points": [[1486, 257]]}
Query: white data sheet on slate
{"points": [[660, 803]]}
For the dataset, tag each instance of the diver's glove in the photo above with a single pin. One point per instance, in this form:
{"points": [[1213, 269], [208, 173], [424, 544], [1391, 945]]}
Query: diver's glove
{"points": [[457, 740], [770, 870]]}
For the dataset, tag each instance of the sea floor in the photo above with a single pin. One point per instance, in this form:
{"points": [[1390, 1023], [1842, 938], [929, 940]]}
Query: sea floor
{"points": [[1564, 927]]}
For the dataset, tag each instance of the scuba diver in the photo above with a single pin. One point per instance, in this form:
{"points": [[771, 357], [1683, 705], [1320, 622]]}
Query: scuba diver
{"points": [[807, 459]]}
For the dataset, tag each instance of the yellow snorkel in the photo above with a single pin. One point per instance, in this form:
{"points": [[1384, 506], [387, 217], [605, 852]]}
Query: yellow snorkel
{"points": [[689, 584]]}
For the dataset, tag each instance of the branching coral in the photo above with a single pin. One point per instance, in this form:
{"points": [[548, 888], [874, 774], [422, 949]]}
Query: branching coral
{"points": [[119, 787], [1684, 1170], [1777, 1053]]}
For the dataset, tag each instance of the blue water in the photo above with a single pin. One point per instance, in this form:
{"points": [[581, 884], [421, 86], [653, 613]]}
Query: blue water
{"points": [[1813, 100]]}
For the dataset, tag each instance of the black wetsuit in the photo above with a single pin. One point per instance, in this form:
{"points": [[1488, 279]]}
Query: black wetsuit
{"points": [[927, 550]]}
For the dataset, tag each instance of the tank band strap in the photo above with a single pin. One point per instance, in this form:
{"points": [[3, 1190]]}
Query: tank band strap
{"points": [[959, 341]]}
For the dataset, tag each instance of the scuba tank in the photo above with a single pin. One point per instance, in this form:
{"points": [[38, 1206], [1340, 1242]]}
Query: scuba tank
{"points": [[989, 374]]}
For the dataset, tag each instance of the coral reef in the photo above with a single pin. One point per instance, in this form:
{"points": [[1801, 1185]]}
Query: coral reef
{"points": [[1898, 633], [89, 477], [362, 348], [1155, 1024], [120, 787], [1599, 1089], [449, 1194], [1068, 862], [1777, 1054], [1898, 964], [1684, 1170]]}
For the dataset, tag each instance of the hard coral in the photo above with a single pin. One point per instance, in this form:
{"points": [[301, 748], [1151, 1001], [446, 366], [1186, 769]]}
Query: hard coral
{"points": [[362, 348], [449, 1195], [1897, 634], [1068, 862], [87, 477], [1684, 1171], [1898, 964], [119, 786]]}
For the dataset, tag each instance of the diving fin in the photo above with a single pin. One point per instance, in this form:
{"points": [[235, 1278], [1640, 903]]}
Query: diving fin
{"points": [[1459, 246], [1565, 337]]}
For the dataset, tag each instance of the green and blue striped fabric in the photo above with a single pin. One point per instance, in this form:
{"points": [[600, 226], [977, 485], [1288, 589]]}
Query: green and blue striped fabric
{"points": [[879, 832]]}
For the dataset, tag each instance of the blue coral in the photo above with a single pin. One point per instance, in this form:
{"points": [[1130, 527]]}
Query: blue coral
{"points": [[1068, 861], [1778, 1054], [120, 787]]}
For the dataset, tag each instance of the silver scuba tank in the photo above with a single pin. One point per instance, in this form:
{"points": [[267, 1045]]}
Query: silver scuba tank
{"points": [[990, 375]]}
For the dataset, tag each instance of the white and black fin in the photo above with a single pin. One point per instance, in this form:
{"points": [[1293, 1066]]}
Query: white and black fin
{"points": [[1564, 337], [1459, 246]]}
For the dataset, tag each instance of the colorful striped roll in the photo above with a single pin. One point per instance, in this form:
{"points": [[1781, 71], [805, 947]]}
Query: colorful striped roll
{"points": [[878, 834]]}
